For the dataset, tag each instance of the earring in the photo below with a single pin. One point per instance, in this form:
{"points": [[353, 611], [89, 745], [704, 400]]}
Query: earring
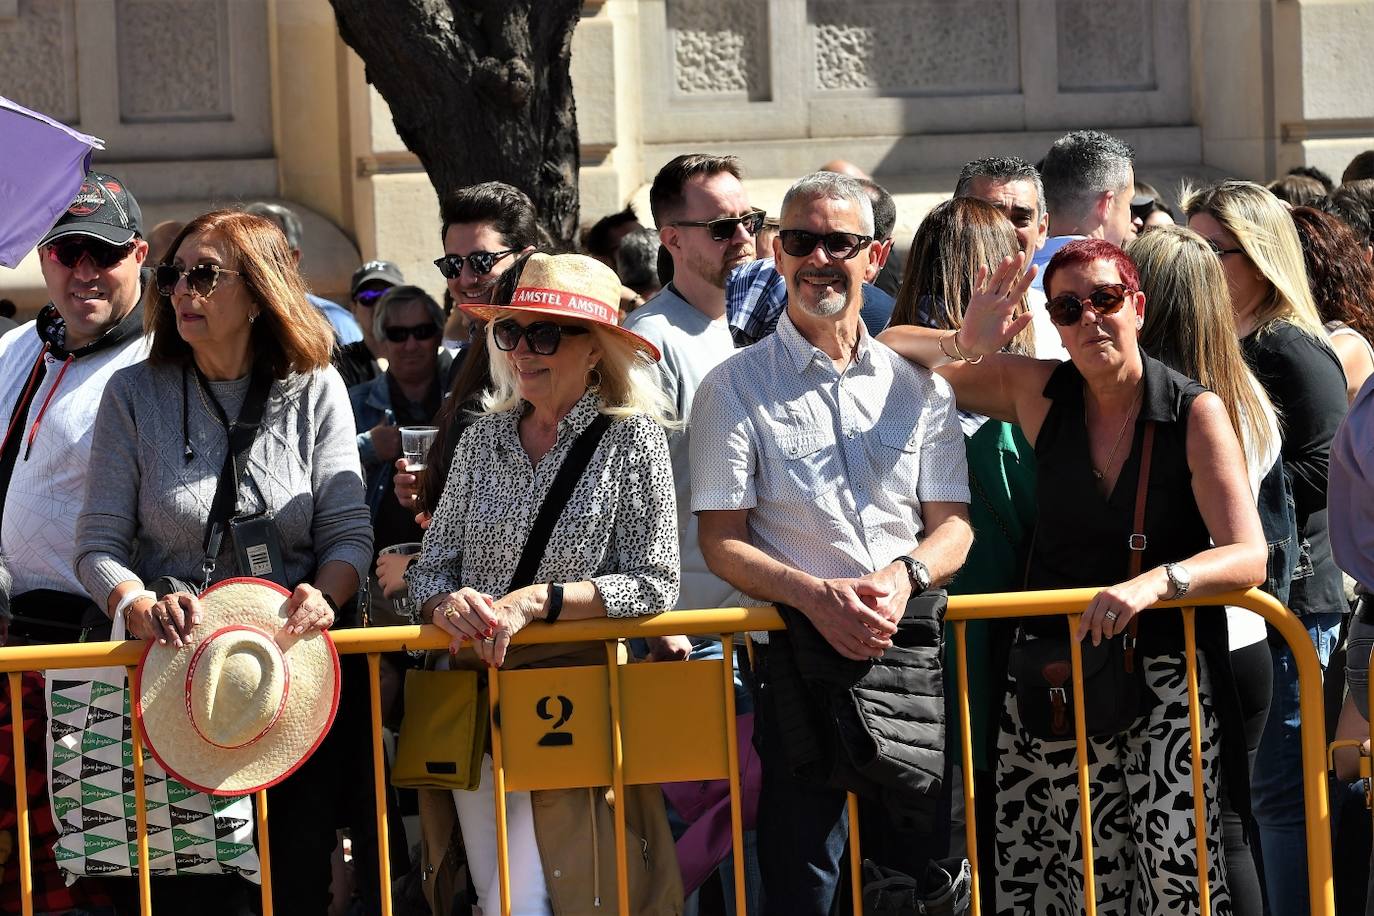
{"points": [[1139, 323], [252, 318], [596, 384]]}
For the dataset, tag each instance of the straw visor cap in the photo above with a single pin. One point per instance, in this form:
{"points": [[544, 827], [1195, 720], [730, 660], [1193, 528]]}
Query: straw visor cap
{"points": [[244, 703], [568, 286]]}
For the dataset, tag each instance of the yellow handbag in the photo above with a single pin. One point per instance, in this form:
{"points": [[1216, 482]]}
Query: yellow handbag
{"points": [[444, 732]]}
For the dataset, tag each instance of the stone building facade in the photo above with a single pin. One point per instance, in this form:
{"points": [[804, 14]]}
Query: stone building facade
{"points": [[211, 102]]}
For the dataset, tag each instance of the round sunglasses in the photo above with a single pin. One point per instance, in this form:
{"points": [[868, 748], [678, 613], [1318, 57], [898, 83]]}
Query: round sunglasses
{"points": [[69, 251], [200, 279], [481, 262], [1067, 309], [543, 337], [841, 246], [723, 229]]}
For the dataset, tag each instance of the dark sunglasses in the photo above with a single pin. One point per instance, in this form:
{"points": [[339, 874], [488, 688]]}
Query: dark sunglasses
{"points": [[542, 336], [841, 246], [398, 334], [369, 297], [1067, 309], [723, 229], [1222, 252], [200, 279], [69, 251], [481, 262]]}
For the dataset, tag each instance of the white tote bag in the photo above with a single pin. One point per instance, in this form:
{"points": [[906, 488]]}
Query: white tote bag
{"points": [[91, 786]]}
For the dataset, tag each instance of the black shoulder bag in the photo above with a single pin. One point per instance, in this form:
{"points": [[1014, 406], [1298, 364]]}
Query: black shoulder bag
{"points": [[560, 491], [1114, 691], [257, 547]]}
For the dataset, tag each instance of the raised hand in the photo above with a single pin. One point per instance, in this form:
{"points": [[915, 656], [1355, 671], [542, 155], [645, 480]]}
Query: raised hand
{"points": [[994, 315]]}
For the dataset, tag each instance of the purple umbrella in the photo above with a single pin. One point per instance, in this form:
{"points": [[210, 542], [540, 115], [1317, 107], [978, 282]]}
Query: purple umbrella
{"points": [[42, 163]]}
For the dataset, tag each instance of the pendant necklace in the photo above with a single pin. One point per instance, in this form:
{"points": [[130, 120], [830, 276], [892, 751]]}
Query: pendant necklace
{"points": [[1111, 458]]}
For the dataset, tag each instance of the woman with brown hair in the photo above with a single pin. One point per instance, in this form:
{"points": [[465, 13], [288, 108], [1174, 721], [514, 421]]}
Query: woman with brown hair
{"points": [[233, 338], [1342, 284]]}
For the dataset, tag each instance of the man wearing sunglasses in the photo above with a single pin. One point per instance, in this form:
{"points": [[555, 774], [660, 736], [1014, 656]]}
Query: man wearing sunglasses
{"points": [[53, 371], [828, 474], [357, 361]]}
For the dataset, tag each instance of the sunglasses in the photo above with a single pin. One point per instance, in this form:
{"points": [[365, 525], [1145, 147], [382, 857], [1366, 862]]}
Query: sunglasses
{"points": [[841, 246], [200, 279], [723, 229], [1222, 252], [69, 251], [481, 262], [542, 336], [399, 334], [1067, 309], [369, 297]]}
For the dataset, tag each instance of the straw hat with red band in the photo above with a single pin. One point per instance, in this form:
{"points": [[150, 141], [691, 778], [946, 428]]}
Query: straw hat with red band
{"points": [[568, 286], [243, 703]]}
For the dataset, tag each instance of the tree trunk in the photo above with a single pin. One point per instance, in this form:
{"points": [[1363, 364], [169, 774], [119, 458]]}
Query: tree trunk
{"points": [[479, 91]]}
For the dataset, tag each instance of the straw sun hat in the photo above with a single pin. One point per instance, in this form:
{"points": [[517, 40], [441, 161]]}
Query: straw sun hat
{"points": [[568, 286], [243, 703]]}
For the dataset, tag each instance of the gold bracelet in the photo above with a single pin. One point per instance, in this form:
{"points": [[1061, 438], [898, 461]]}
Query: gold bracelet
{"points": [[948, 355], [960, 350]]}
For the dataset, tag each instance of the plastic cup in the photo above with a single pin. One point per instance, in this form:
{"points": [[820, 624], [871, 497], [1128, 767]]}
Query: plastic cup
{"points": [[415, 443]]}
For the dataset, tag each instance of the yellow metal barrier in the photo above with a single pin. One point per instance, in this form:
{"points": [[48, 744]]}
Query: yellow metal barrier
{"points": [[620, 744]]}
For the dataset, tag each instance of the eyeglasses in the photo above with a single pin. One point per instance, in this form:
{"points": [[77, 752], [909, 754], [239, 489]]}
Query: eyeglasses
{"points": [[399, 334], [481, 262], [723, 229], [1222, 252], [841, 246], [200, 279], [370, 296], [1067, 309], [542, 336], [69, 251]]}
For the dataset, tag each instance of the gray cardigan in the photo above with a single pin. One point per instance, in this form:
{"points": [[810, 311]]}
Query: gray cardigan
{"points": [[147, 503]]}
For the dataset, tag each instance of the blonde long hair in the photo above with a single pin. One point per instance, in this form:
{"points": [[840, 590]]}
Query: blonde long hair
{"points": [[1189, 326], [629, 383], [1264, 229]]}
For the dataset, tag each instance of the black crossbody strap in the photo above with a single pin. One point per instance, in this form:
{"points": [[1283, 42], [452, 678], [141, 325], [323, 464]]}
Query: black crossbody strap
{"points": [[242, 432], [564, 482]]}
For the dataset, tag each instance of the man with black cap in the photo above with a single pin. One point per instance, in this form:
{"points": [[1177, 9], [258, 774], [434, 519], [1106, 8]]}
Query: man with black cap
{"points": [[357, 361], [53, 371]]}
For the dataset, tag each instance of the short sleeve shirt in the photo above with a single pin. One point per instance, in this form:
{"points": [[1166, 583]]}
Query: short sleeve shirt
{"points": [[833, 466]]}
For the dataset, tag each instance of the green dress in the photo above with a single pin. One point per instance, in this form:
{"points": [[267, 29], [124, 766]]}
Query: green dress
{"points": [[1001, 467]]}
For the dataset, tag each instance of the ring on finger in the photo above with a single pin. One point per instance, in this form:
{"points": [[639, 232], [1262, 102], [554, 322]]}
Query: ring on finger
{"points": [[1111, 615], [450, 613]]}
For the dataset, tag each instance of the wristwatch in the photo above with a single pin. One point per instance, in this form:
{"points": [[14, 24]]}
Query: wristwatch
{"points": [[917, 572], [1179, 578]]}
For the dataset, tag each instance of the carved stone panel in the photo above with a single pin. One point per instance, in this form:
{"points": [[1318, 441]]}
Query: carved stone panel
{"points": [[38, 58], [913, 47], [720, 47], [173, 60], [1106, 44]]}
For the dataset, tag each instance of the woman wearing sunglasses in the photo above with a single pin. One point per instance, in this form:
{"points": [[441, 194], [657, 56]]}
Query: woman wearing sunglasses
{"points": [[1283, 340], [230, 325], [1091, 421], [566, 380]]}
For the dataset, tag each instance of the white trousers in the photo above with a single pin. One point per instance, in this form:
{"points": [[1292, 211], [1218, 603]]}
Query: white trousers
{"points": [[477, 817]]}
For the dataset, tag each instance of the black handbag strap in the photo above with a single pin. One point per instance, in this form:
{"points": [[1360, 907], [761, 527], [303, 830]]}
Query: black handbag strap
{"points": [[242, 431], [564, 482]]}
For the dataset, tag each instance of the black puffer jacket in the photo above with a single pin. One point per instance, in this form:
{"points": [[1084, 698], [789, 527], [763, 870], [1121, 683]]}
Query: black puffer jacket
{"points": [[875, 728]]}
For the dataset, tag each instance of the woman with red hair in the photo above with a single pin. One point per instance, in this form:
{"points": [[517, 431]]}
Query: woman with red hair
{"points": [[1110, 428]]}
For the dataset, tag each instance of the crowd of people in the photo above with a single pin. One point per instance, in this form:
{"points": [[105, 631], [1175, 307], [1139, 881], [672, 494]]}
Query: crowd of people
{"points": [[1066, 379]]}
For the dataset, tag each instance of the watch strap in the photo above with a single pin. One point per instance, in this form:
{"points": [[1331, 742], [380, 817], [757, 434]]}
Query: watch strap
{"points": [[555, 602]]}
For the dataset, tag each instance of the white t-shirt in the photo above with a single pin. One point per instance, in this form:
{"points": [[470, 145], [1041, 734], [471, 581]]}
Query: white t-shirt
{"points": [[1245, 628], [692, 345]]}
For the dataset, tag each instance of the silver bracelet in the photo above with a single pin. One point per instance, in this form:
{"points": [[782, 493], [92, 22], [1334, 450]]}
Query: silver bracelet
{"points": [[129, 599]]}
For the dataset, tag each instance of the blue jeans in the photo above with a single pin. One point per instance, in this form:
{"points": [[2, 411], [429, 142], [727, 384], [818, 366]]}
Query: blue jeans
{"points": [[1277, 787]]}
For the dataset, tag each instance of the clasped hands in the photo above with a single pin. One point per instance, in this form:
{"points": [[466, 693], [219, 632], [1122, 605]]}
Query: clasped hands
{"points": [[858, 617], [487, 622]]}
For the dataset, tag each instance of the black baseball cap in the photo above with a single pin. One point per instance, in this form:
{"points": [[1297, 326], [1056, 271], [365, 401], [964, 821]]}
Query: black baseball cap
{"points": [[104, 209], [375, 270]]}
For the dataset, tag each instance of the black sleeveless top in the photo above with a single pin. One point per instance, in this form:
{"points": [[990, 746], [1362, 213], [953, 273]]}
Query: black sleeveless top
{"points": [[1081, 537]]}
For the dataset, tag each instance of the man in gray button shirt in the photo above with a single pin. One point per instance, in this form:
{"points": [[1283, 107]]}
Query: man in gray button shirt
{"points": [[827, 474]]}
